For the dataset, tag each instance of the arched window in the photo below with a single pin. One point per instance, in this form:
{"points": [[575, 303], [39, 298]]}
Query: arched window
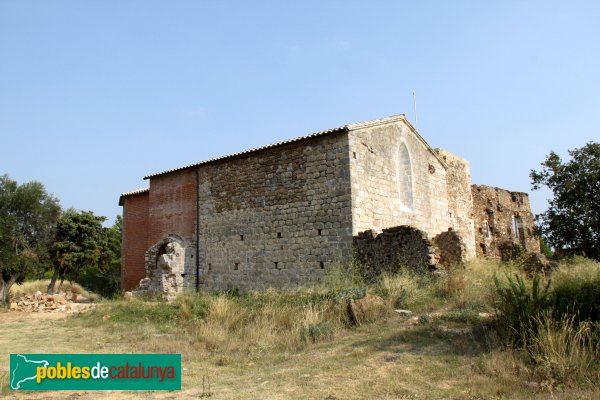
{"points": [[404, 176]]}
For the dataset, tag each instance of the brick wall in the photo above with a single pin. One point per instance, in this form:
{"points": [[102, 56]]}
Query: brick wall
{"points": [[173, 205], [135, 239], [172, 211]]}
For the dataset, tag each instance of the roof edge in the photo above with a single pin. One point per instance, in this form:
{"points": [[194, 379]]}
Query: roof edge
{"points": [[132, 193], [343, 128]]}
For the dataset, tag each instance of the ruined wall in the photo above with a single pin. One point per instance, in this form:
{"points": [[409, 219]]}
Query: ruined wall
{"points": [[394, 249], [172, 211], [276, 218], [135, 239], [460, 199], [494, 211], [396, 180]]}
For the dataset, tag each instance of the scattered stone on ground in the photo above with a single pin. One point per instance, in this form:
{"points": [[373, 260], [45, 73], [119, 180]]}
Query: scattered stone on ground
{"points": [[404, 312], [65, 302]]}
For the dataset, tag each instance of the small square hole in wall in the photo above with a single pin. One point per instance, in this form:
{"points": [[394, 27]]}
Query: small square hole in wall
{"points": [[236, 266], [322, 265], [276, 263], [320, 231], [279, 235], [183, 275], [242, 238], [209, 267], [354, 154]]}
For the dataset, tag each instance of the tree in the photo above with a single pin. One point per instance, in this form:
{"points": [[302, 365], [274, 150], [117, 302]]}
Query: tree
{"points": [[572, 221], [81, 241], [106, 280], [28, 216]]}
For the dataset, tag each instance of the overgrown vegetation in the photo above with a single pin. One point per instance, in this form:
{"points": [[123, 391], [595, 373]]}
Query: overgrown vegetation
{"points": [[554, 322], [523, 335]]}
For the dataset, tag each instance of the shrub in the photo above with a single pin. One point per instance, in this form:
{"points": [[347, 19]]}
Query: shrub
{"points": [[520, 303], [316, 332], [576, 290]]}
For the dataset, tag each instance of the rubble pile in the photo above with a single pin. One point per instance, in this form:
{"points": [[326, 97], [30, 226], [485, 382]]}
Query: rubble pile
{"points": [[41, 302]]}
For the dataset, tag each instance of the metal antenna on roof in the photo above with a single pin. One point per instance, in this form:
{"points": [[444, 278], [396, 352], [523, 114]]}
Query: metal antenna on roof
{"points": [[415, 107]]}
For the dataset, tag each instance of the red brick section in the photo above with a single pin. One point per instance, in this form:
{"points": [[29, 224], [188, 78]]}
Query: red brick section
{"points": [[135, 239], [172, 206]]}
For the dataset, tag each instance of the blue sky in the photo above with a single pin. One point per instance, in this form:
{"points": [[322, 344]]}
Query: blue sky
{"points": [[96, 94]]}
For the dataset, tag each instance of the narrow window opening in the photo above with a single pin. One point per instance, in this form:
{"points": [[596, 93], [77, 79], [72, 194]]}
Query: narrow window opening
{"points": [[276, 264], [279, 235], [183, 275], [242, 238], [320, 232], [236, 266], [209, 267], [322, 265], [354, 154]]}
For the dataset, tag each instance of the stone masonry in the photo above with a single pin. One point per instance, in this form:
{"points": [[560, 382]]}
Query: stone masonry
{"points": [[281, 215], [502, 218]]}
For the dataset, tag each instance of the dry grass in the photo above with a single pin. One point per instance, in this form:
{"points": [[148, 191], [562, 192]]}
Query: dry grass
{"points": [[564, 352], [288, 345]]}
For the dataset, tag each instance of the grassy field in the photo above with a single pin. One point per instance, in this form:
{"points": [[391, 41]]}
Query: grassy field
{"points": [[301, 345]]}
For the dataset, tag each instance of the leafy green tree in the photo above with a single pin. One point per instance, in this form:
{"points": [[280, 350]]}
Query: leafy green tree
{"points": [[106, 280], [81, 242], [28, 216], [572, 221]]}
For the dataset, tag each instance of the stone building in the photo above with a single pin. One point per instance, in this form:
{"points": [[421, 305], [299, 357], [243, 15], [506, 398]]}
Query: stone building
{"points": [[280, 215]]}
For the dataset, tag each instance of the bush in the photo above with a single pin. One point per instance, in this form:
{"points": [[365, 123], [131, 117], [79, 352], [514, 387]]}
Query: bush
{"points": [[576, 290], [316, 332], [519, 303]]}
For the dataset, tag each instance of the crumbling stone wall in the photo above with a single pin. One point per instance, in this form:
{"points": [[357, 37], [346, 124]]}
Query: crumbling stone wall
{"points": [[276, 218], [393, 249], [169, 264], [502, 219], [460, 199], [450, 249]]}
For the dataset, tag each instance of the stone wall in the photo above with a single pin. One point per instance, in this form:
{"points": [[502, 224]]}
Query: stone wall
{"points": [[275, 218], [497, 212], [392, 250], [450, 249], [397, 179], [280, 216], [460, 200], [135, 239]]}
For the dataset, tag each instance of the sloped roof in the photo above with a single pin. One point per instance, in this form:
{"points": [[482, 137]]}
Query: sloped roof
{"points": [[132, 193], [343, 128]]}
